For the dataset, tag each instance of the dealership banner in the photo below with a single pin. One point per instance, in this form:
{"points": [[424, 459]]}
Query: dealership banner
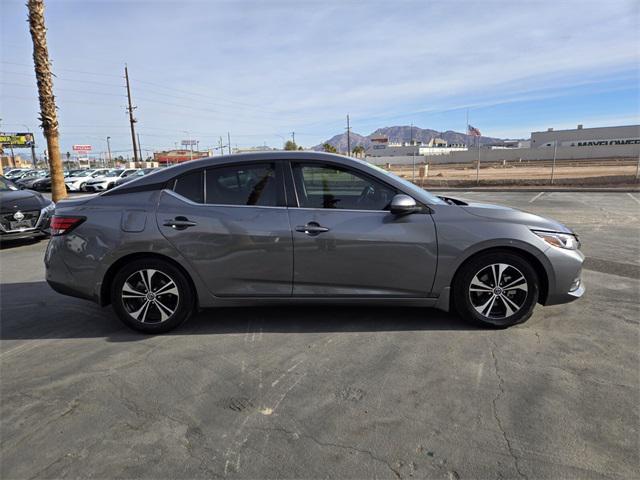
{"points": [[16, 140], [81, 148]]}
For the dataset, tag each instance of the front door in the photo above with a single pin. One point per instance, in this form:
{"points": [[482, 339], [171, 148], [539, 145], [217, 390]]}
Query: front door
{"points": [[347, 243], [231, 224]]}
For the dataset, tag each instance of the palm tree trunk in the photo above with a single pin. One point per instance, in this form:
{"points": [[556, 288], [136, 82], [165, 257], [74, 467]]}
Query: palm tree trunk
{"points": [[48, 114]]}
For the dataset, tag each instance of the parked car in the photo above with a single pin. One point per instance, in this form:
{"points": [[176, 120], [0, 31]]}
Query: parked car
{"points": [[108, 180], [77, 181], [27, 180], [227, 231], [23, 213], [138, 174], [42, 184], [9, 174], [22, 173]]}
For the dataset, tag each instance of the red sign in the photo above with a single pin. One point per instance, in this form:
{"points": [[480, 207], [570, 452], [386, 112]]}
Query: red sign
{"points": [[82, 148]]}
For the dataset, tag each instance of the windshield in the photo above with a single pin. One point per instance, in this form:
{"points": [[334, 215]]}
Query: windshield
{"points": [[6, 185], [114, 173], [86, 173], [410, 187]]}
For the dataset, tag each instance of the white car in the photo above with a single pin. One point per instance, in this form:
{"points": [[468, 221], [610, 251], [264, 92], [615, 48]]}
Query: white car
{"points": [[77, 181], [109, 180]]}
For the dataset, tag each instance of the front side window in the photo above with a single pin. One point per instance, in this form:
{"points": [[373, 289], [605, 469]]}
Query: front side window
{"points": [[190, 186], [329, 186], [243, 185]]}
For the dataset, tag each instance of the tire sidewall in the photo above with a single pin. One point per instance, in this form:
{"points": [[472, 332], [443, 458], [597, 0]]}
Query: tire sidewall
{"points": [[185, 301], [461, 289]]}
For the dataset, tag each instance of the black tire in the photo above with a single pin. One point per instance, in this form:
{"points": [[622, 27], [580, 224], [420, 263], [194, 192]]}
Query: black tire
{"points": [[498, 312], [164, 312]]}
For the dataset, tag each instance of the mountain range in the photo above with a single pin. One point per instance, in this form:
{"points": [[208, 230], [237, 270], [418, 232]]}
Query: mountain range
{"points": [[404, 134]]}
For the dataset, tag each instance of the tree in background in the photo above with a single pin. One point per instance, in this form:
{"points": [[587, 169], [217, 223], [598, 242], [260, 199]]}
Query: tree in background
{"points": [[358, 151], [327, 147], [289, 145], [48, 114]]}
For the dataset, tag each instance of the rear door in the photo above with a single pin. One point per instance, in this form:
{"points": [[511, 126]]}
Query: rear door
{"points": [[347, 242], [231, 224]]}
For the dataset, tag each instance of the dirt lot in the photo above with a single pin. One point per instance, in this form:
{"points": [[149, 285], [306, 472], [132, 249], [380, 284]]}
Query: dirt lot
{"points": [[574, 173], [332, 392]]}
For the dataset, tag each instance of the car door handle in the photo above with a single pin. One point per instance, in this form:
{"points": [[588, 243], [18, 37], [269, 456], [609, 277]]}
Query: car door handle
{"points": [[311, 228], [179, 223]]}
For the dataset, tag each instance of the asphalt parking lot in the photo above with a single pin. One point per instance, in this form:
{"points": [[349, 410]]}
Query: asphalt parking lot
{"points": [[321, 392]]}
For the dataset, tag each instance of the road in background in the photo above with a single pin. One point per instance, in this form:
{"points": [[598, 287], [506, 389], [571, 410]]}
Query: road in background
{"points": [[332, 391]]}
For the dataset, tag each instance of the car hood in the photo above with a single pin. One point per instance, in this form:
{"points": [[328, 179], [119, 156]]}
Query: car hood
{"points": [[508, 214], [21, 200]]}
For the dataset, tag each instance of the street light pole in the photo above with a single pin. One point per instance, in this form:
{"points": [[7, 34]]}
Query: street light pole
{"points": [[553, 165], [109, 151]]}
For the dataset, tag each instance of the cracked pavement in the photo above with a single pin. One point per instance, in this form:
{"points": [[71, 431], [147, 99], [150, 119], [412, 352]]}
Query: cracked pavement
{"points": [[331, 392]]}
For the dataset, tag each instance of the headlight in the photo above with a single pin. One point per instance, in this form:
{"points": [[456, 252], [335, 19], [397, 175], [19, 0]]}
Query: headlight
{"points": [[561, 240]]}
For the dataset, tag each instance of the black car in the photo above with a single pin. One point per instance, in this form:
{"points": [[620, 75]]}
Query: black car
{"points": [[23, 213], [31, 181], [41, 184]]}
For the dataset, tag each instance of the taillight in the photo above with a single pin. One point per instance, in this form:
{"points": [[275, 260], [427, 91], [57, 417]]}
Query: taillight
{"points": [[61, 224]]}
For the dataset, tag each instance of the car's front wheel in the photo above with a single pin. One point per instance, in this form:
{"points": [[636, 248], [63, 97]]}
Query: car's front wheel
{"points": [[496, 289], [151, 296]]}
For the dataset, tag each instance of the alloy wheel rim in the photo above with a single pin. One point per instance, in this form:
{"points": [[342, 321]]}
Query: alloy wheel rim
{"points": [[498, 291], [150, 296]]}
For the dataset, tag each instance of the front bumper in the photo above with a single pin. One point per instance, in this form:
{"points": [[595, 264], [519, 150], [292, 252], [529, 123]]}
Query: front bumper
{"points": [[567, 284], [96, 187], [40, 229]]}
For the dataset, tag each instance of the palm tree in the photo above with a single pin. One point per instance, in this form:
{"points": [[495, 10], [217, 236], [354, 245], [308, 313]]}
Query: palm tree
{"points": [[48, 114], [327, 147], [358, 150]]}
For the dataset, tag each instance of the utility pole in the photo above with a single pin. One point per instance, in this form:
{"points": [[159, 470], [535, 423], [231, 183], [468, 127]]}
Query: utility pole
{"points": [[221, 146], [411, 135], [348, 137], [109, 151], [139, 147], [229, 142], [132, 120], [293, 137]]}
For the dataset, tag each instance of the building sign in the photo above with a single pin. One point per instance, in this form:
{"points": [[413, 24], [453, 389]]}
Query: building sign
{"points": [[598, 143], [82, 148], [16, 140], [188, 143]]}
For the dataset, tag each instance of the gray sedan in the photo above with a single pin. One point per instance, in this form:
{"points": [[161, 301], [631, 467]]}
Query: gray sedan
{"points": [[284, 227]]}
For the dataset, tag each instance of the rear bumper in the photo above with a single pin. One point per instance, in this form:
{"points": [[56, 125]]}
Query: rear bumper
{"points": [[58, 274]]}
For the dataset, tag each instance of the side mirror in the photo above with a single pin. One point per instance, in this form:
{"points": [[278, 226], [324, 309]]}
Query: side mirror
{"points": [[403, 204]]}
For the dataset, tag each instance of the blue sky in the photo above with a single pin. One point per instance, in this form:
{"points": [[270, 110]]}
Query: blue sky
{"points": [[261, 69]]}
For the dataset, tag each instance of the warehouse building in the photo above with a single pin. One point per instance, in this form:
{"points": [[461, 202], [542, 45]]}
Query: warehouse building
{"points": [[587, 137]]}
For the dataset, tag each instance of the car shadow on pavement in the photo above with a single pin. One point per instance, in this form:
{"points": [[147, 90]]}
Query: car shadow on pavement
{"points": [[8, 244], [35, 311]]}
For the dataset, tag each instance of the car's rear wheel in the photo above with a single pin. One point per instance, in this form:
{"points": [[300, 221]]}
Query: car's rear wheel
{"points": [[497, 289], [151, 296]]}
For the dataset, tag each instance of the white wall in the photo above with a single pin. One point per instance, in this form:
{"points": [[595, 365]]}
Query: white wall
{"points": [[486, 155]]}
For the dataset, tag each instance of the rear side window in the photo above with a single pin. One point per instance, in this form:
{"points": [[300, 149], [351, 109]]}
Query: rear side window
{"points": [[243, 185], [190, 186]]}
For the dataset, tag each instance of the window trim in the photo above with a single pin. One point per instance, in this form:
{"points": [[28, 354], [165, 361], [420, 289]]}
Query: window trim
{"points": [[349, 169], [281, 199]]}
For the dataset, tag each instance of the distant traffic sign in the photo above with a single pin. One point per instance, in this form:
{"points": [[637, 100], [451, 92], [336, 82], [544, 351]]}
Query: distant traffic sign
{"points": [[82, 148]]}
